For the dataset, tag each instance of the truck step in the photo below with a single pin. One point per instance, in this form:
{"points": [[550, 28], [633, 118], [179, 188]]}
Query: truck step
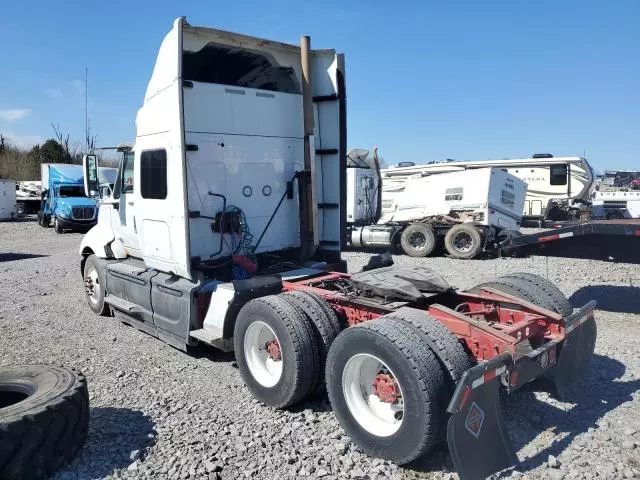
{"points": [[208, 335], [121, 304]]}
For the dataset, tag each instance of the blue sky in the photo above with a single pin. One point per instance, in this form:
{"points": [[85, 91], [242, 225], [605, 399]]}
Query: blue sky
{"points": [[426, 80]]}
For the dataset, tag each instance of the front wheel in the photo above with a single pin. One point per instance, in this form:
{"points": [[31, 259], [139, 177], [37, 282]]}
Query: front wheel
{"points": [[57, 226], [94, 285]]}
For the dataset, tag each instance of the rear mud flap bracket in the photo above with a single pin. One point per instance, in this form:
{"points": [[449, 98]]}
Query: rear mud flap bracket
{"points": [[476, 434]]}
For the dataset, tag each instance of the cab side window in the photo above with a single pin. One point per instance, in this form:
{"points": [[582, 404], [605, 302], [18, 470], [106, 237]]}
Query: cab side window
{"points": [[127, 172], [153, 174]]}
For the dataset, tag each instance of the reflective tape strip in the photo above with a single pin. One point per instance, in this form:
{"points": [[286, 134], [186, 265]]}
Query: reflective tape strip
{"points": [[576, 324], [488, 376], [555, 237]]}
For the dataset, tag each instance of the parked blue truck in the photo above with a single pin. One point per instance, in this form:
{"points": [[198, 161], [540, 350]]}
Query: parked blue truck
{"points": [[64, 204]]}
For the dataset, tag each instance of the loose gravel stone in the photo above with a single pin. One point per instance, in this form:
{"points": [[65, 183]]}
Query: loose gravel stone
{"points": [[190, 416]]}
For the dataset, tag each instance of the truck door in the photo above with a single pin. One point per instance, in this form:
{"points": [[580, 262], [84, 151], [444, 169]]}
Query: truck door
{"points": [[123, 219]]}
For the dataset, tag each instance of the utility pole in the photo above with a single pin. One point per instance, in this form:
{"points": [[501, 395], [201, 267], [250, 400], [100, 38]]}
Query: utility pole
{"points": [[86, 108]]}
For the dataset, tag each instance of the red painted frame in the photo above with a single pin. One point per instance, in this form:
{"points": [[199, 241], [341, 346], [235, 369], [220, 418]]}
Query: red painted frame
{"points": [[490, 323]]}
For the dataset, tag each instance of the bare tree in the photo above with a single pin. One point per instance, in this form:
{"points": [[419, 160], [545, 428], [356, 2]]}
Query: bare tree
{"points": [[1, 143], [62, 140]]}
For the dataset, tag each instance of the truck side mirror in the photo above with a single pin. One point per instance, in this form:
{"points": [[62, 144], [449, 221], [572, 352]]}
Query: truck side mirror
{"points": [[90, 169]]}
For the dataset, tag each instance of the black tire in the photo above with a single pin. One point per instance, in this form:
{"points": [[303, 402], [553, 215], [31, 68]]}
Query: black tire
{"points": [[325, 326], [417, 372], [98, 284], [299, 351], [463, 241], [449, 352], [418, 240], [44, 419], [56, 225], [20, 209], [521, 289], [448, 349], [560, 303]]}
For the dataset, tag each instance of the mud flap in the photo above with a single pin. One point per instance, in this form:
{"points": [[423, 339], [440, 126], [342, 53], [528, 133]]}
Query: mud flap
{"points": [[476, 434], [576, 350]]}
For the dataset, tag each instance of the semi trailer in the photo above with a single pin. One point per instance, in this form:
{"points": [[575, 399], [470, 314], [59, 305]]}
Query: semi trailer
{"points": [[214, 235]]}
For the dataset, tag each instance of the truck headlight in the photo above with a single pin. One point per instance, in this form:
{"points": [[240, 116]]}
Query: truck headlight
{"points": [[65, 212]]}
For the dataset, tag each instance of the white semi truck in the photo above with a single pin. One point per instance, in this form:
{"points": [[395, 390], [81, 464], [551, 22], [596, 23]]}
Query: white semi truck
{"points": [[469, 211], [215, 234]]}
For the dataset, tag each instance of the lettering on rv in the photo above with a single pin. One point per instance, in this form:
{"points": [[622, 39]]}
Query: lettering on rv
{"points": [[532, 179]]}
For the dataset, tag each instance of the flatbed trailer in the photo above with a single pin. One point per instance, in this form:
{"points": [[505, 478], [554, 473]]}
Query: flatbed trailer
{"points": [[628, 228]]}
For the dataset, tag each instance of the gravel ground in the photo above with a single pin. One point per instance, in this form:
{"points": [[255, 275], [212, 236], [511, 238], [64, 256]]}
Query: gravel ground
{"points": [[160, 413]]}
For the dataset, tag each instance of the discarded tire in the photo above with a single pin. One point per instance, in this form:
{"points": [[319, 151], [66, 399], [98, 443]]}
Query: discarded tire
{"points": [[44, 419], [463, 241], [276, 351], [418, 240], [384, 384]]}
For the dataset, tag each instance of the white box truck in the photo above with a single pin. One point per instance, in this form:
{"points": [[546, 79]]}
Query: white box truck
{"points": [[8, 209]]}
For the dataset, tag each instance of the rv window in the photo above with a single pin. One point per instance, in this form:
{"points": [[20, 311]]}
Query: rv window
{"points": [[153, 174], [238, 67], [127, 172], [453, 194], [558, 174]]}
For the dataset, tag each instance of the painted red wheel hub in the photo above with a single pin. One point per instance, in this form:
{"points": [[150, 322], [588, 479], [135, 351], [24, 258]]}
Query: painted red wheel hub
{"points": [[386, 388], [273, 349]]}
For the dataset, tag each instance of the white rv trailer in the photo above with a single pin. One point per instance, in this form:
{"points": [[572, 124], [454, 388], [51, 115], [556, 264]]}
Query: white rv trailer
{"points": [[556, 185]]}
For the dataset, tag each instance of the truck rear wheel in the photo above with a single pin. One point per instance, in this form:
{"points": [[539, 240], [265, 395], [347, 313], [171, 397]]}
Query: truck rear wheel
{"points": [[94, 285], [531, 288], [463, 241], [418, 240], [276, 351], [560, 303], [44, 419], [323, 321], [384, 383]]}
